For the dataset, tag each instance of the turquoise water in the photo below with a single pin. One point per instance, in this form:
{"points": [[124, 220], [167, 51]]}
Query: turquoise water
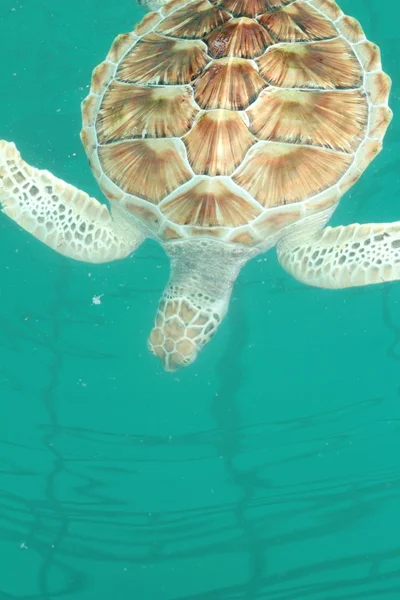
{"points": [[270, 469]]}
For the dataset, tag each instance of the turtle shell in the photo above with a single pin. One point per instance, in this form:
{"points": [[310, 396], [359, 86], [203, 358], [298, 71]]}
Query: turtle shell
{"points": [[235, 118]]}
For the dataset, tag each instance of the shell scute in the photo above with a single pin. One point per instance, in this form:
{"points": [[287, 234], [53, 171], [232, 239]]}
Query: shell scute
{"points": [[347, 182], [367, 152], [120, 46], [139, 111], [241, 37], [351, 29], [193, 21], [322, 202], [378, 87], [209, 202], [328, 8], [369, 56], [251, 8], [132, 166], [218, 142], [157, 59], [171, 232], [244, 238], [147, 23], [274, 221], [101, 77], [109, 189], [145, 213], [88, 139], [171, 6], [230, 83], [90, 107], [327, 119], [323, 65], [271, 169], [298, 22], [380, 118]]}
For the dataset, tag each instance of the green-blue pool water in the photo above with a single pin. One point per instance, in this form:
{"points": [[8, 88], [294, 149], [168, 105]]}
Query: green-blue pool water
{"points": [[270, 469]]}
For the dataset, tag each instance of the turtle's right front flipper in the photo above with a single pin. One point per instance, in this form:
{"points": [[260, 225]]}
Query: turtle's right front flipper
{"points": [[341, 257], [60, 215]]}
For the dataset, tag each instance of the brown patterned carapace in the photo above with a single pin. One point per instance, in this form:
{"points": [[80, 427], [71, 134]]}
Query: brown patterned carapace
{"points": [[220, 110]]}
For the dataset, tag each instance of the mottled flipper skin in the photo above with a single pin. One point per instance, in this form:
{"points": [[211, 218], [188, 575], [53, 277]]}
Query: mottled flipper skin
{"points": [[59, 215], [342, 257]]}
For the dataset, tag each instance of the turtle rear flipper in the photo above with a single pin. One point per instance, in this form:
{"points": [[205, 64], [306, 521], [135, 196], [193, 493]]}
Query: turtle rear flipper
{"points": [[60, 215], [341, 257]]}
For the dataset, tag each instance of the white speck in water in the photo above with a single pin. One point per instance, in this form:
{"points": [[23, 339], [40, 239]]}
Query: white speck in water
{"points": [[23, 546], [97, 299]]}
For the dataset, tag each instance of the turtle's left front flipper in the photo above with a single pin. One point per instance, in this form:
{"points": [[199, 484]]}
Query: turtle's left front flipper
{"points": [[60, 215], [343, 257]]}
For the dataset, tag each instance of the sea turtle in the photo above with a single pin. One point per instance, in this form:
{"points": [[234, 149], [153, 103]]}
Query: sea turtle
{"points": [[222, 128]]}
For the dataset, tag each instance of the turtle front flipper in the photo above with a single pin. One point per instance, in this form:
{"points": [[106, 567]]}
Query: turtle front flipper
{"points": [[342, 257], [60, 215], [195, 300]]}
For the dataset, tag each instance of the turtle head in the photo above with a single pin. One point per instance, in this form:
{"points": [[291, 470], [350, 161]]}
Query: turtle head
{"points": [[152, 4], [195, 300], [180, 331]]}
